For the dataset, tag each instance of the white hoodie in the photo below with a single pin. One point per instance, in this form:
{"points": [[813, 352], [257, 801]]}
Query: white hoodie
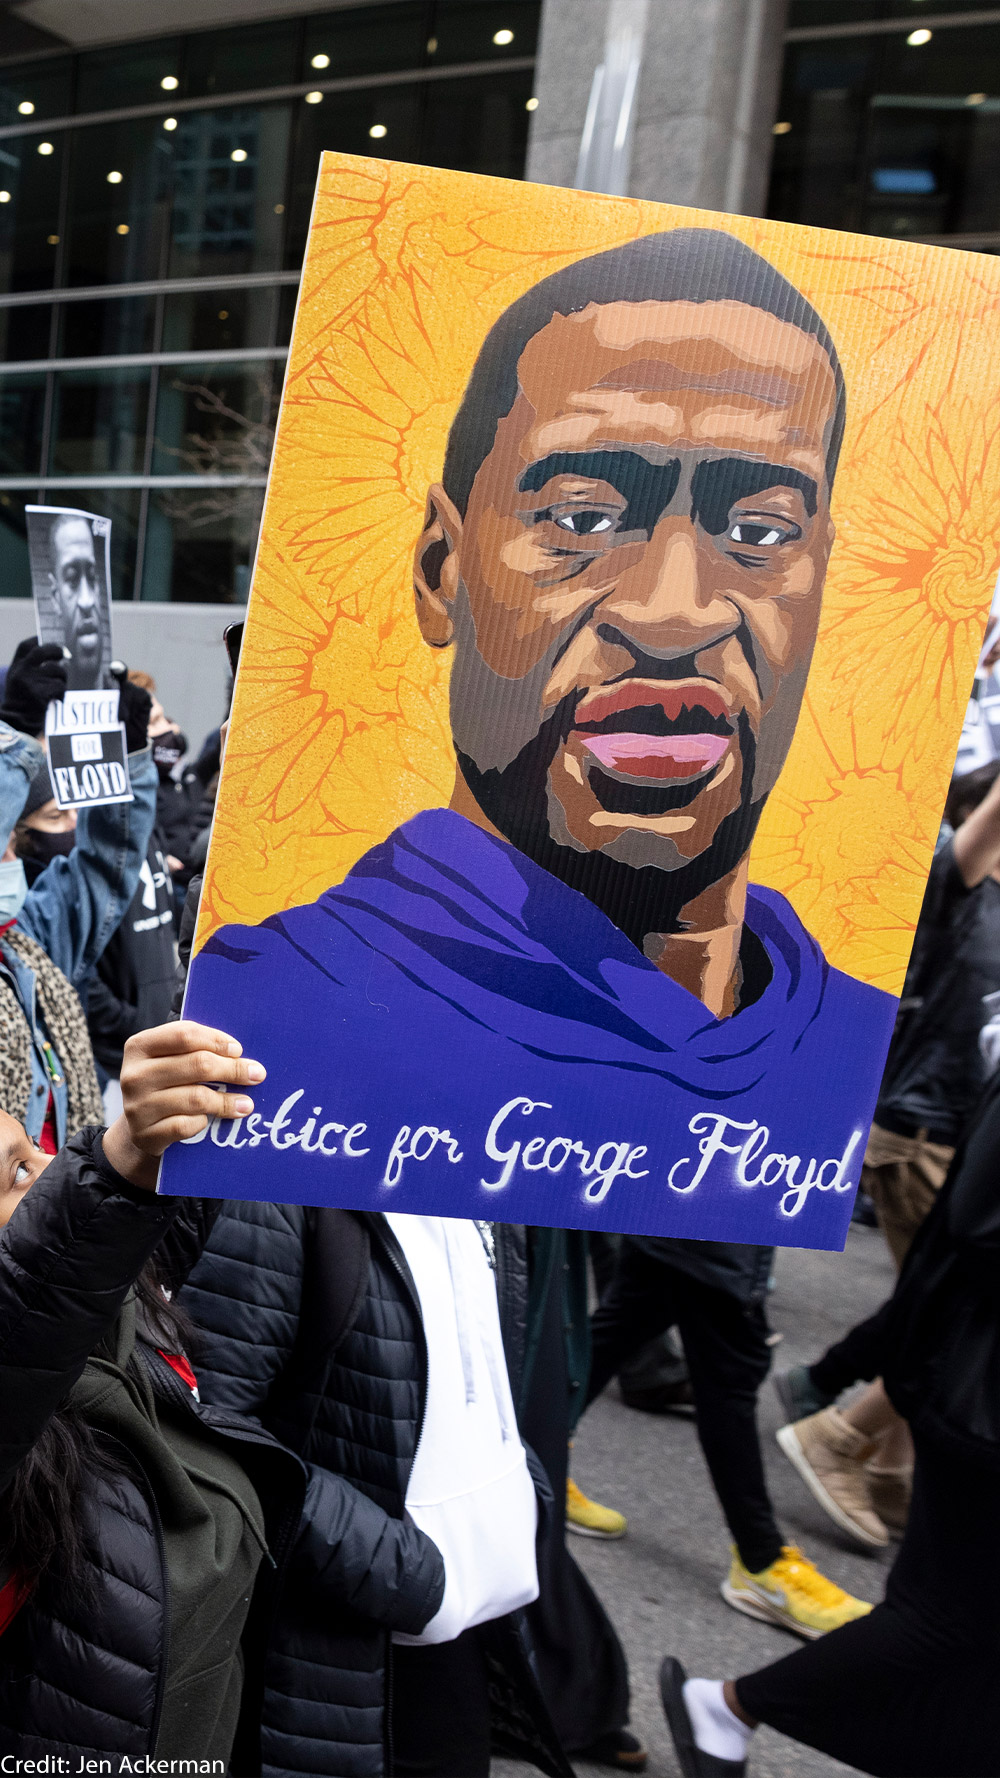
{"points": [[469, 1488]]}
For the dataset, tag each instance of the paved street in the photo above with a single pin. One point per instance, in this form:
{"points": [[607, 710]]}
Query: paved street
{"points": [[661, 1583]]}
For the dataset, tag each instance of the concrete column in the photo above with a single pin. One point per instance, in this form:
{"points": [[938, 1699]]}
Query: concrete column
{"points": [[702, 110]]}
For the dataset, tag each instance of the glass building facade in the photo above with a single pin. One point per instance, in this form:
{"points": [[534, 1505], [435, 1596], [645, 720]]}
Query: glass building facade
{"points": [[154, 203], [889, 120]]}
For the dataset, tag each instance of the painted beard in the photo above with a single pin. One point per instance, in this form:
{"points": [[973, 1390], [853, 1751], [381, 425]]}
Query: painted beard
{"points": [[637, 899]]}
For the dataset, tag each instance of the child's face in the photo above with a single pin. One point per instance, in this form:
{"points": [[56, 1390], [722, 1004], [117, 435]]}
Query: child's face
{"points": [[20, 1164]]}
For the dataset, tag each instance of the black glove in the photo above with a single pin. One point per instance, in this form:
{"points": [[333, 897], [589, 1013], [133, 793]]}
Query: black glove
{"points": [[36, 676], [135, 708]]}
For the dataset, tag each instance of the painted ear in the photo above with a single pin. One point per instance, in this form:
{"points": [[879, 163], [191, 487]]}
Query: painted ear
{"points": [[436, 569]]}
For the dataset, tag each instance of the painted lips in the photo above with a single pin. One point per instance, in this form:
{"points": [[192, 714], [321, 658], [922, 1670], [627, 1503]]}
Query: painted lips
{"points": [[655, 732]]}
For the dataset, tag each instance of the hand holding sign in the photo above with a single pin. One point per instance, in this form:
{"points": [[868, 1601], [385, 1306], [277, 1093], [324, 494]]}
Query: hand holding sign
{"points": [[36, 676]]}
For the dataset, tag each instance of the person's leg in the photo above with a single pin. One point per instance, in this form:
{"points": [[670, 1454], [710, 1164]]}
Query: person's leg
{"points": [[440, 1713], [920, 1670], [728, 1359], [858, 1355], [637, 1306]]}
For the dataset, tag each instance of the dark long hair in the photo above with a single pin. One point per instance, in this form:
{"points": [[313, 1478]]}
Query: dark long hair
{"points": [[43, 1538]]}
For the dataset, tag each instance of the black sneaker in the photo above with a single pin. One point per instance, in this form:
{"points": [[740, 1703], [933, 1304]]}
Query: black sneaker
{"points": [[693, 1762], [619, 1749], [798, 1394]]}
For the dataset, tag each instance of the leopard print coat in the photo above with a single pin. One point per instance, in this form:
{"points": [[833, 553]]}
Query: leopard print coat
{"points": [[60, 1012]]}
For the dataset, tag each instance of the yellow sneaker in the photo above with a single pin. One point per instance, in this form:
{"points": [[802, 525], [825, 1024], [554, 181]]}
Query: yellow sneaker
{"points": [[793, 1593], [588, 1519]]}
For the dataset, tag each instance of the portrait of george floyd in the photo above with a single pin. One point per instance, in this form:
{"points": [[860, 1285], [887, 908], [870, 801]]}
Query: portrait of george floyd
{"points": [[622, 576], [69, 554]]}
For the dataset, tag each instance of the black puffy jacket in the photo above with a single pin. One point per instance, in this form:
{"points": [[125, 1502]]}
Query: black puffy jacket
{"points": [[87, 1677], [316, 1328]]}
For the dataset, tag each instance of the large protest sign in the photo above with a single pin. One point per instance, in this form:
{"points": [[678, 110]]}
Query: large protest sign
{"points": [[70, 556], [622, 578]]}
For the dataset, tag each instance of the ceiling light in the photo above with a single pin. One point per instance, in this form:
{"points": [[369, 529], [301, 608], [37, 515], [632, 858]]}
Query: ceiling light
{"points": [[170, 123], [432, 44], [53, 240], [170, 83], [4, 197], [314, 98], [976, 99], [916, 38], [531, 104], [223, 314], [378, 130], [502, 38], [122, 229], [45, 148], [780, 129], [279, 209], [115, 178], [238, 154], [320, 61], [26, 108]]}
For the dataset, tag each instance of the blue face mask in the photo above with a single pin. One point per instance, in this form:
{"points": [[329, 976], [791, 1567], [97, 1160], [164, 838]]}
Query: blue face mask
{"points": [[13, 889]]}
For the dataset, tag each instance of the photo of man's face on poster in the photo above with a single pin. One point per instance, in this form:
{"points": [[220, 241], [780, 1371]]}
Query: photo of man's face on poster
{"points": [[535, 971], [68, 551], [627, 555]]}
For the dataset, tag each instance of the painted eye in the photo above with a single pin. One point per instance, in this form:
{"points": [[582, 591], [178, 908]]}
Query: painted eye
{"points": [[758, 536], [584, 524]]}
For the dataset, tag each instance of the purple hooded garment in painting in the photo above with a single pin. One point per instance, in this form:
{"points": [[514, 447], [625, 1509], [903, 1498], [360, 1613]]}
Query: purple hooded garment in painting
{"points": [[453, 1030]]}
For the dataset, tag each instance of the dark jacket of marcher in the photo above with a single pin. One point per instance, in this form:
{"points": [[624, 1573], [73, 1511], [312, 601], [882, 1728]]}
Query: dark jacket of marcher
{"points": [[314, 1326], [934, 1073], [941, 1327], [132, 986], [739, 1270], [87, 1675]]}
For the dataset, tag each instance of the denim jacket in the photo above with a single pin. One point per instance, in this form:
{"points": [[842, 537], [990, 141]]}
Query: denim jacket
{"points": [[78, 901]]}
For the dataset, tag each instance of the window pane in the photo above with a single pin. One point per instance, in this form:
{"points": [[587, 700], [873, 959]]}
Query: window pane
{"points": [[367, 40], [126, 75], [99, 422], [25, 333], [45, 85], [200, 545], [889, 141], [468, 33], [247, 57], [15, 571], [213, 320], [817, 173], [215, 419], [111, 325], [22, 410], [229, 188], [344, 121], [287, 299], [29, 211], [478, 125], [119, 181]]}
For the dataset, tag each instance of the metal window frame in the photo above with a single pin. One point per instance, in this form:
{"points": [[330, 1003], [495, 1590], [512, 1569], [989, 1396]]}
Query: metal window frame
{"points": [[934, 21], [351, 83], [147, 360]]}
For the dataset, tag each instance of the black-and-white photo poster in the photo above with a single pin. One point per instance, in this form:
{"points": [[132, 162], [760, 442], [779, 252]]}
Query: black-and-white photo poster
{"points": [[70, 556]]}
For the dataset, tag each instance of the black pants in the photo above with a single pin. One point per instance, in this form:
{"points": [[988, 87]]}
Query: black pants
{"points": [[911, 1691], [857, 1356], [440, 1713], [728, 1359]]}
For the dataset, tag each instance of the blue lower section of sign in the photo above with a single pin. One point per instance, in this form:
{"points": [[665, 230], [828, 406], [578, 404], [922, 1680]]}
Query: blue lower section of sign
{"points": [[454, 1031]]}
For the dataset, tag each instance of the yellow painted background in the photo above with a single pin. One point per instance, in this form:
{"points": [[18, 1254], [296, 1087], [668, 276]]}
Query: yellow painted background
{"points": [[340, 726]]}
